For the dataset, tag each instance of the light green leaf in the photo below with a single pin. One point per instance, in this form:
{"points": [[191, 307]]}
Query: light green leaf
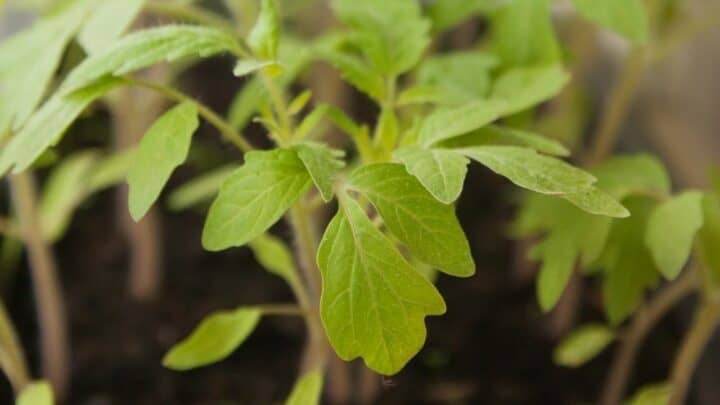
{"points": [[214, 339], [265, 35], [671, 232], [448, 123], [107, 23], [522, 88], [246, 66], [200, 189], [274, 256], [110, 170], [299, 102], [311, 121], [628, 18], [64, 191], [48, 124], [392, 35], [255, 197], [447, 13], [583, 344], [29, 60], [322, 163], [373, 303], [427, 227], [709, 240], [36, 393], [145, 48], [164, 147], [523, 34], [307, 390], [358, 73], [526, 168], [442, 172], [655, 394], [621, 176], [497, 135], [598, 202], [629, 268], [559, 255], [461, 76]]}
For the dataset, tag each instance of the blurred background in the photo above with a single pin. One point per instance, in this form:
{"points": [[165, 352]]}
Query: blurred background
{"points": [[133, 290]]}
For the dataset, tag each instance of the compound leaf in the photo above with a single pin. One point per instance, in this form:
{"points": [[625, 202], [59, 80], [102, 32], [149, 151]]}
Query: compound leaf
{"points": [[164, 147], [214, 339], [671, 231], [253, 198], [374, 302]]}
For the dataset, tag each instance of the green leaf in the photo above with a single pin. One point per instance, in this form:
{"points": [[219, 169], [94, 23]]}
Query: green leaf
{"points": [[522, 88], [655, 394], [265, 35], [307, 390], [671, 232], [29, 60], [246, 66], [583, 344], [274, 256], [255, 197], [64, 190], [164, 147], [48, 124], [145, 48], [214, 339], [629, 268], [427, 227], [559, 255], [322, 163], [628, 18], [311, 121], [442, 172], [36, 393], [393, 35], [374, 302], [110, 170], [447, 13], [462, 76], [358, 73], [622, 176], [200, 189], [526, 168], [709, 239], [497, 135], [447, 123], [108, 22], [523, 33], [299, 102], [598, 202]]}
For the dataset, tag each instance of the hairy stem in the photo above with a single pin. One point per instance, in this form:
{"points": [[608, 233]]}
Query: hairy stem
{"points": [[226, 130], [48, 296], [692, 349], [642, 323]]}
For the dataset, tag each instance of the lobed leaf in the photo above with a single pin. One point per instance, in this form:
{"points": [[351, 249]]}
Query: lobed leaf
{"points": [[373, 303], [253, 198], [214, 339], [428, 228], [462, 76], [498, 135], [164, 147], [583, 344], [671, 231], [322, 163], [442, 172]]}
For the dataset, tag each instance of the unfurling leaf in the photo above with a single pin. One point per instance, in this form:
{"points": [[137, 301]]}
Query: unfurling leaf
{"points": [[214, 339], [441, 171], [671, 232], [164, 147], [583, 344], [255, 197], [307, 390], [374, 302], [428, 228]]}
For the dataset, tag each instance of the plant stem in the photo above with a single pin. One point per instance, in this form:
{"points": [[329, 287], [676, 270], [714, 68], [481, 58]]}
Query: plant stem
{"points": [[642, 323], [691, 350], [50, 306], [282, 309], [12, 359], [210, 116], [190, 13]]}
